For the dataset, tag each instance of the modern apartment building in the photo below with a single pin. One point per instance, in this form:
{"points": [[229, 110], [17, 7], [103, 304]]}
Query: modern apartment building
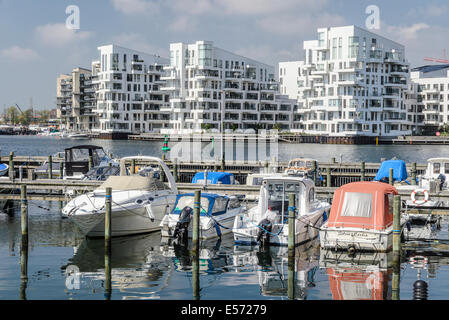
{"points": [[352, 82], [432, 96], [75, 97], [211, 88], [128, 91]]}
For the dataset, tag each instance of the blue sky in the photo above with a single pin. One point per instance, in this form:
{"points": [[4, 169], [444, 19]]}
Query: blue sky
{"points": [[35, 46]]}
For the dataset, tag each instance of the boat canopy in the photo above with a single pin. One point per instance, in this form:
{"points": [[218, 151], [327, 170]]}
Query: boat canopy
{"points": [[399, 171], [135, 182], [210, 204], [214, 178], [364, 205]]}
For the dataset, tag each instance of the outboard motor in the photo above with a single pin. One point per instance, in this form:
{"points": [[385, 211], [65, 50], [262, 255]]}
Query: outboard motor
{"points": [[263, 236], [442, 178], [182, 226]]}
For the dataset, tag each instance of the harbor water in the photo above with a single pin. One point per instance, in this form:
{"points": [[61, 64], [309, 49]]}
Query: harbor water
{"points": [[62, 264]]}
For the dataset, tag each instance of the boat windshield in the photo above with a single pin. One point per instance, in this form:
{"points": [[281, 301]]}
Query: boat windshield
{"points": [[187, 201], [278, 193]]}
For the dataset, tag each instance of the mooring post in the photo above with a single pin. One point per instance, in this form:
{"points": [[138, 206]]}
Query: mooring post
{"points": [[11, 166], [414, 173], [362, 171], [291, 276], [291, 223], [24, 242], [107, 242], [196, 245], [397, 224], [20, 173], [223, 163], [328, 178], [61, 170], [390, 178], [333, 160], [133, 166], [90, 164], [50, 167], [314, 171], [175, 169]]}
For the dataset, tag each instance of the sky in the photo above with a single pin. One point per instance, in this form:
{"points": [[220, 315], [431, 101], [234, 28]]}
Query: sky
{"points": [[36, 46]]}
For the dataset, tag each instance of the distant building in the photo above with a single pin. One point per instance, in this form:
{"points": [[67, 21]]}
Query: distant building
{"points": [[432, 95], [352, 83], [209, 86], [75, 100]]}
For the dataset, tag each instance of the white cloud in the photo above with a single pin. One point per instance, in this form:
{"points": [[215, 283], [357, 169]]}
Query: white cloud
{"points": [[408, 32], [132, 7], [57, 35], [431, 10], [19, 54]]}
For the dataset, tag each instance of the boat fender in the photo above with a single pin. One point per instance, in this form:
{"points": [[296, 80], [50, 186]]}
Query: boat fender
{"points": [[423, 191]]}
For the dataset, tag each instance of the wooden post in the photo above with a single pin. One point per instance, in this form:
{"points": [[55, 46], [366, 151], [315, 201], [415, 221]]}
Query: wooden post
{"points": [[314, 171], [223, 163], [107, 242], [90, 163], [362, 171], [175, 170], [328, 178], [291, 276], [333, 160], [195, 245], [397, 224], [61, 170], [133, 166], [291, 223], [414, 173], [11, 172], [24, 242], [50, 167], [390, 178]]}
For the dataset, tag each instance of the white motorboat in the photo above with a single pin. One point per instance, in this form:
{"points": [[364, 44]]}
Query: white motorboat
{"points": [[139, 203], [217, 214], [267, 222], [78, 135]]}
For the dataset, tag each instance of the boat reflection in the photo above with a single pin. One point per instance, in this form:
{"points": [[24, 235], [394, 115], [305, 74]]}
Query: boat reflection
{"points": [[364, 276], [139, 271], [272, 268]]}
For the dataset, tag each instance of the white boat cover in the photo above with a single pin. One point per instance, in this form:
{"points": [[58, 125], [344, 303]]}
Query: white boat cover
{"points": [[357, 204], [135, 182]]}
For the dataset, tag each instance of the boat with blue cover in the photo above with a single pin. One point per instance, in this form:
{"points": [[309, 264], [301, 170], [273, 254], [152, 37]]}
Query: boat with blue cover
{"points": [[217, 214], [3, 169], [214, 178]]}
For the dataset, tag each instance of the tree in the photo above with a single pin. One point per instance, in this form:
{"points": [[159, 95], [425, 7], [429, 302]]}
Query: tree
{"points": [[12, 115], [26, 117]]}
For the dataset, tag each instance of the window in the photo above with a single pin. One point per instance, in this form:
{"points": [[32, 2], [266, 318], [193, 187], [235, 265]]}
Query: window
{"points": [[446, 168], [436, 168], [219, 205], [357, 204]]}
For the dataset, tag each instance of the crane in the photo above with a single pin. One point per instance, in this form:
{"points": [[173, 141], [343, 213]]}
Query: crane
{"points": [[439, 60]]}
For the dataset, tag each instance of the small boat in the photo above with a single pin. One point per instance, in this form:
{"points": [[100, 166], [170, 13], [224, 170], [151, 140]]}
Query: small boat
{"points": [[301, 167], [361, 218], [4, 168], [139, 203], [267, 222], [217, 216], [214, 178], [78, 135]]}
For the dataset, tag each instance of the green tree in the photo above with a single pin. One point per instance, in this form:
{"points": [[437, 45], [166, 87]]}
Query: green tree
{"points": [[12, 115], [26, 117]]}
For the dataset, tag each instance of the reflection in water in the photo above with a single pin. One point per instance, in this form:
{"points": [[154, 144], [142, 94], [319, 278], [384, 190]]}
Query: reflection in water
{"points": [[363, 276], [139, 271], [271, 266]]}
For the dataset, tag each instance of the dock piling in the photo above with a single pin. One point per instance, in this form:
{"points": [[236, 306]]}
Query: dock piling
{"points": [[396, 277], [397, 224], [314, 171], [11, 173], [175, 170], [107, 243], [390, 178], [195, 245], [414, 173], [362, 171], [328, 178], [24, 242], [291, 224], [50, 167]]}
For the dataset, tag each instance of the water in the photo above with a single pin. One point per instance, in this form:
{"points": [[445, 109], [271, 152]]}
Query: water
{"points": [[143, 268]]}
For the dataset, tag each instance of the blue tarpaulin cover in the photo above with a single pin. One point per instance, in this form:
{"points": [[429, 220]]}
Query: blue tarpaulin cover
{"points": [[214, 178], [399, 171]]}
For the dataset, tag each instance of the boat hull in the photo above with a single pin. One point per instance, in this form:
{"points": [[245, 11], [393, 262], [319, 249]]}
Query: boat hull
{"points": [[359, 239], [306, 229]]}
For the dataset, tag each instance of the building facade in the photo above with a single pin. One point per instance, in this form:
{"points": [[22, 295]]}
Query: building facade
{"points": [[75, 100], [128, 91], [352, 83], [211, 88]]}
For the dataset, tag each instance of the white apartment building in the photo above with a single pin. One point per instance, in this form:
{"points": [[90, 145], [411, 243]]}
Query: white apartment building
{"points": [[75, 99], [351, 83], [211, 88], [128, 91], [432, 95]]}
